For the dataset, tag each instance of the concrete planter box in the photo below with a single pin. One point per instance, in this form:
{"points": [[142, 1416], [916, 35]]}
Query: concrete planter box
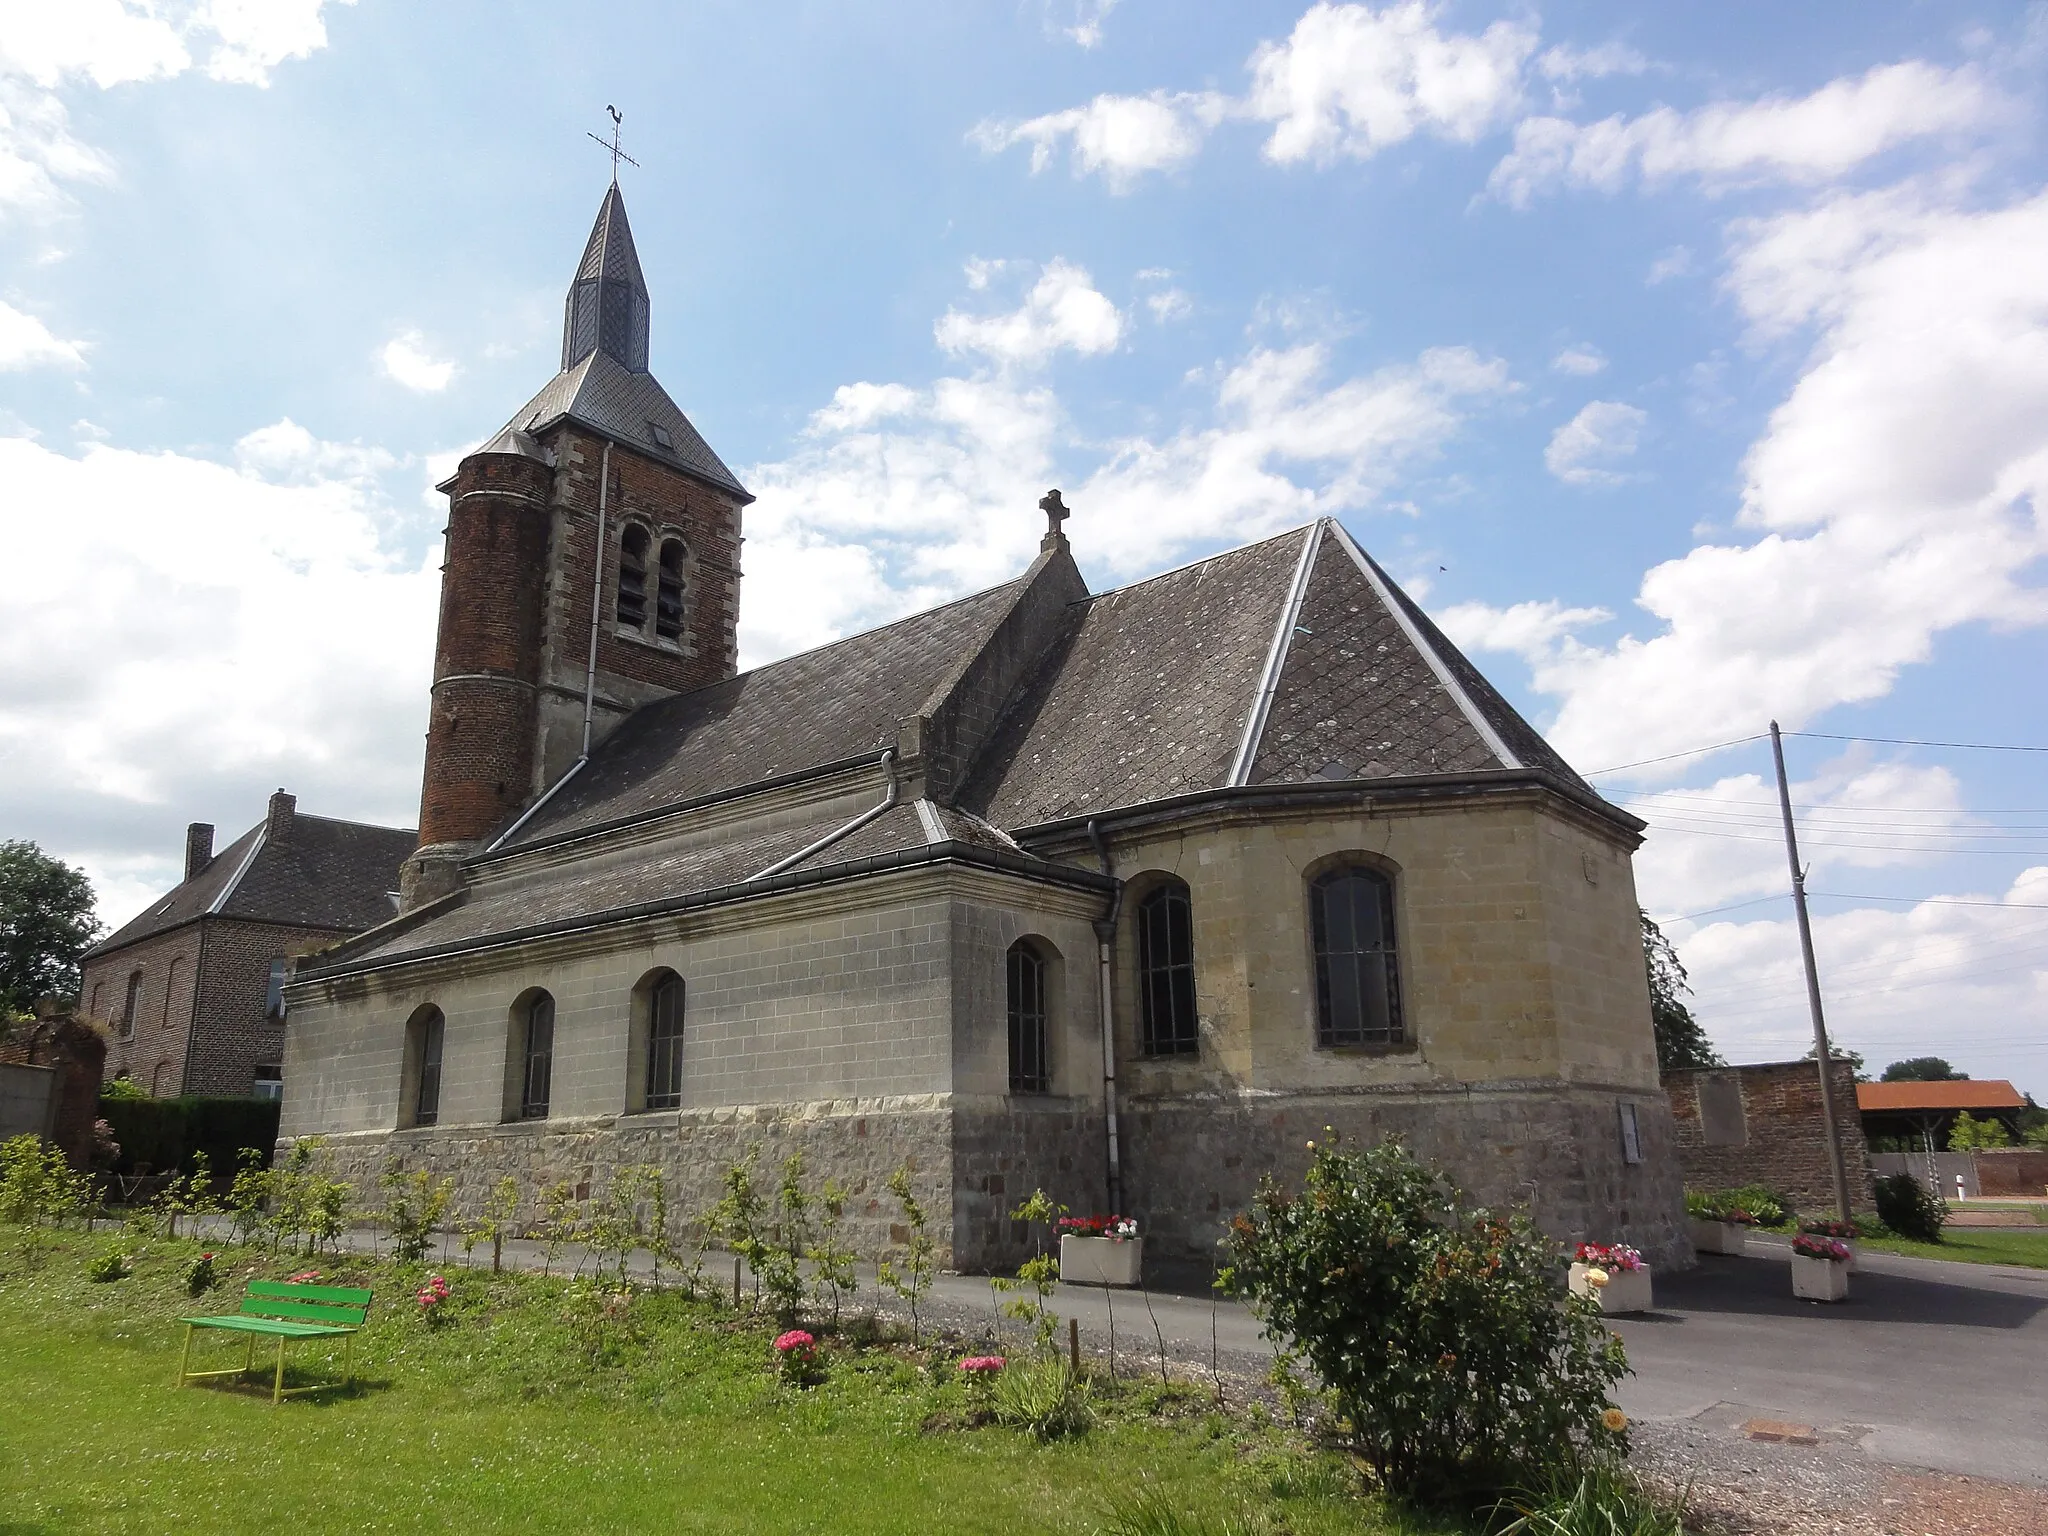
{"points": [[1101, 1260], [1720, 1237], [1819, 1279], [1626, 1290]]}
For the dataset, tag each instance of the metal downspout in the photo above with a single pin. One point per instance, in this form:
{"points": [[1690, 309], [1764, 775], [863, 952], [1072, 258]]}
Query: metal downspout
{"points": [[1105, 959], [604, 486], [853, 826]]}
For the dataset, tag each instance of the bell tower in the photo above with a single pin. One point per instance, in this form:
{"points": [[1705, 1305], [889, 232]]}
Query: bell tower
{"points": [[592, 566]]}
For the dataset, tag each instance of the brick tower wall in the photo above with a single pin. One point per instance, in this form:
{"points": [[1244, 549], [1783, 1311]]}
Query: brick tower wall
{"points": [[487, 657], [632, 668]]}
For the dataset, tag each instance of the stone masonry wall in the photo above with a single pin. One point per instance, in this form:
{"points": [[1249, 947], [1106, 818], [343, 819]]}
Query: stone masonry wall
{"points": [[1775, 1138]]}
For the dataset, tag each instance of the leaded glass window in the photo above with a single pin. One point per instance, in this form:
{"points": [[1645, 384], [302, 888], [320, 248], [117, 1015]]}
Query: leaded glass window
{"points": [[1028, 1072], [1166, 972], [665, 1043], [1358, 1000], [540, 1057]]}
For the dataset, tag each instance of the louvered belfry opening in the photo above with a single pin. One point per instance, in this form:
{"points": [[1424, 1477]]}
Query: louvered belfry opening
{"points": [[632, 608]]}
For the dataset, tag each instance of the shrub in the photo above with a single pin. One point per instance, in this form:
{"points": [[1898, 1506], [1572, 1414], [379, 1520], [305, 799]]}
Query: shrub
{"points": [[1438, 1329], [1905, 1206], [413, 1207], [199, 1275], [796, 1354], [1041, 1399], [164, 1133], [1602, 1502], [910, 1279], [111, 1263]]}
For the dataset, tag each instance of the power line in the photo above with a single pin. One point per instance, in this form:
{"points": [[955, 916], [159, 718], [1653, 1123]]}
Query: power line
{"points": [[1936, 901], [1671, 757], [1906, 741]]}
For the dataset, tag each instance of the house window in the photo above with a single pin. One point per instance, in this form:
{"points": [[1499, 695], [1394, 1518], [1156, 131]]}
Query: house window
{"points": [[128, 1008], [1357, 987], [159, 1079], [428, 1031], [665, 1043], [539, 1052], [94, 1007], [171, 986], [273, 996], [668, 591], [1166, 972], [269, 1080], [1028, 1072], [632, 604]]}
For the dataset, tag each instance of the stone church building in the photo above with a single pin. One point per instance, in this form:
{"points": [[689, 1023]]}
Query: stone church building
{"points": [[1122, 894]]}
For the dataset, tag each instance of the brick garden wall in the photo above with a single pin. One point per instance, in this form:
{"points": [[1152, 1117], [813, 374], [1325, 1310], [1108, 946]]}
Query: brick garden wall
{"points": [[1775, 1138]]}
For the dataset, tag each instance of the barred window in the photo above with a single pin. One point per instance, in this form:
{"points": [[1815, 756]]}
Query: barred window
{"points": [[539, 1046], [428, 1032], [1028, 1073], [665, 1043], [668, 592], [632, 602], [1166, 972], [1358, 1000]]}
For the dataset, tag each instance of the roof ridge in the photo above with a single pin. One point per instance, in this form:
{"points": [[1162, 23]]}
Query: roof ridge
{"points": [[1276, 656], [343, 821], [227, 891]]}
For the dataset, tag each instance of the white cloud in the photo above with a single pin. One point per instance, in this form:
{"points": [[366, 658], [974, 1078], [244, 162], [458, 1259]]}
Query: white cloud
{"points": [[1348, 82], [1897, 492], [1169, 305], [1676, 262], [406, 359], [191, 635], [1586, 449], [1566, 63], [902, 497], [25, 342], [1959, 976], [1063, 311], [1581, 360], [45, 48], [1809, 139], [1121, 137], [1524, 629], [1078, 21]]}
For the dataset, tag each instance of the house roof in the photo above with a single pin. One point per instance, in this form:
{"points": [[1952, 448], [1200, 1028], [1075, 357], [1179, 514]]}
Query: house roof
{"points": [[1938, 1098], [333, 875]]}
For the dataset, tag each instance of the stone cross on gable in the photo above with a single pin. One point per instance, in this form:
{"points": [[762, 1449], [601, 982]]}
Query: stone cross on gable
{"points": [[1056, 512]]}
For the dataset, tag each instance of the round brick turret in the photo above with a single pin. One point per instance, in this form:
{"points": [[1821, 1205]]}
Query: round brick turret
{"points": [[487, 657]]}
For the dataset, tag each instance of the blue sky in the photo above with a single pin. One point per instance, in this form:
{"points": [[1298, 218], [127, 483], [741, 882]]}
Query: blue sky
{"points": [[1692, 368]]}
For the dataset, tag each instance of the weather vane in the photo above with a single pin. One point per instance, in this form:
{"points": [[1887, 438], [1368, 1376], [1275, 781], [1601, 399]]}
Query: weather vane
{"points": [[618, 154]]}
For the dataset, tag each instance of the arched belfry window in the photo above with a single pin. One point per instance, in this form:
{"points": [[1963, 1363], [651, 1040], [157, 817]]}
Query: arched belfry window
{"points": [[1029, 1070], [665, 1043], [1166, 972], [1358, 997], [537, 1042], [632, 603], [668, 591]]}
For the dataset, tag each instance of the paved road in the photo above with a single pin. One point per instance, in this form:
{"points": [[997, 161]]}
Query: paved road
{"points": [[1928, 1364]]}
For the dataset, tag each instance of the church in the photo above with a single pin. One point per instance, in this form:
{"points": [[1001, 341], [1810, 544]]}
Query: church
{"points": [[1126, 895]]}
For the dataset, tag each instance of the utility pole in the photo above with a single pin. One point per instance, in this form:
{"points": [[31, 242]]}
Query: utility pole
{"points": [[1822, 1057]]}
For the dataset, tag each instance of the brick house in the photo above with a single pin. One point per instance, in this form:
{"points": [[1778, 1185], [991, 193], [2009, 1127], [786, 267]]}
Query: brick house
{"points": [[1123, 894], [191, 992], [1762, 1124]]}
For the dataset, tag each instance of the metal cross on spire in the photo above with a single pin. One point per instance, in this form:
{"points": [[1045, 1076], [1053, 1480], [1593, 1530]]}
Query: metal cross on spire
{"points": [[617, 153]]}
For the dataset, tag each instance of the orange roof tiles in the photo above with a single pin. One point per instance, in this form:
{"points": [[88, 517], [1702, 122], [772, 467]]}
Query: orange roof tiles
{"points": [[1970, 1093]]}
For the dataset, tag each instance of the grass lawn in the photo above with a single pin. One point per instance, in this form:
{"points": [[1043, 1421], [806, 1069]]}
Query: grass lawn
{"points": [[1974, 1245], [500, 1419]]}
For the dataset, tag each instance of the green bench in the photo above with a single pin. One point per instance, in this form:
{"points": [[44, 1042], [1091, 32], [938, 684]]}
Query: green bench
{"points": [[274, 1308]]}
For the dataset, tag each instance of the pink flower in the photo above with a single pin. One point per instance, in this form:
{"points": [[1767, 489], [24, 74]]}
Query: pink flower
{"points": [[303, 1277], [795, 1339], [975, 1365]]}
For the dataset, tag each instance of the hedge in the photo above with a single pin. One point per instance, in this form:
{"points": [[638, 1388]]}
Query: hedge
{"points": [[164, 1133]]}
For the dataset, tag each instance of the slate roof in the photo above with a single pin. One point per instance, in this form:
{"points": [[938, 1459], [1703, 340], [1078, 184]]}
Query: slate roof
{"points": [[829, 705], [603, 395], [336, 875]]}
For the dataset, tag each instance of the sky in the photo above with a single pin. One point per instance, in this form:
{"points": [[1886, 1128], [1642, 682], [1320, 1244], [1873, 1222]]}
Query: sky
{"points": [[1689, 364]]}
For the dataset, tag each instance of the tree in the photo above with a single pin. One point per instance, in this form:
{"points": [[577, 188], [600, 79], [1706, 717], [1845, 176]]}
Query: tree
{"points": [[1923, 1069], [1854, 1058], [1969, 1133], [1680, 1040], [46, 923]]}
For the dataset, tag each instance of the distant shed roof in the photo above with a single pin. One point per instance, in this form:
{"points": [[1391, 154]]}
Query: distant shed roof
{"points": [[1938, 1098]]}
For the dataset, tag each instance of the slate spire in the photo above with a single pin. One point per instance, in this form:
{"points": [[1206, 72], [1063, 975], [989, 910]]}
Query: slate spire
{"points": [[607, 305]]}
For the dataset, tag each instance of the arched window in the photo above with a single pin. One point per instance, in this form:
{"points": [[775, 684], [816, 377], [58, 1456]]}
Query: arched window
{"points": [[171, 977], [632, 604], [665, 1043], [159, 1079], [1028, 1068], [668, 591], [537, 1046], [129, 1007], [1166, 972], [426, 1034], [1358, 999]]}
